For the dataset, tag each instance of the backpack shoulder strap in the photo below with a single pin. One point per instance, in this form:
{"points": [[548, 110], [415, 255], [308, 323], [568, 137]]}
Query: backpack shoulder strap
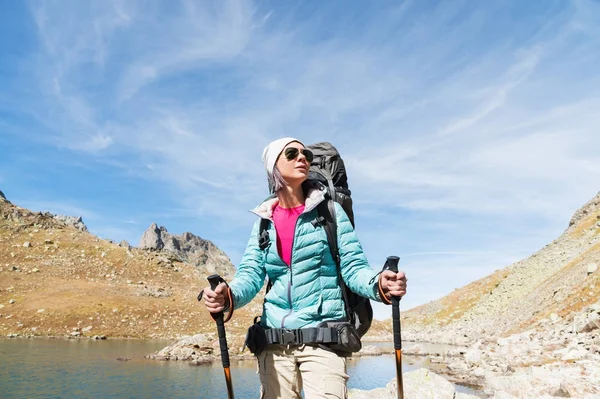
{"points": [[263, 243], [263, 234], [326, 209]]}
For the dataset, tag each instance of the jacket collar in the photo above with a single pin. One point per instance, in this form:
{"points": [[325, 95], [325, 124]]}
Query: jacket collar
{"points": [[265, 209]]}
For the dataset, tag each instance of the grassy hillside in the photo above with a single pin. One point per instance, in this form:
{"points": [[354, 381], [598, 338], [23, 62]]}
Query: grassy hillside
{"points": [[56, 280]]}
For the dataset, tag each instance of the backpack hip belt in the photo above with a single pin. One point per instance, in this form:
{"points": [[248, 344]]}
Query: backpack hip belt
{"points": [[299, 336]]}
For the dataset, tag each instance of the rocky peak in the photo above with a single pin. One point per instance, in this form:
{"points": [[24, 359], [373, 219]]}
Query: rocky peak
{"points": [[45, 219], [188, 248], [591, 208], [75, 221]]}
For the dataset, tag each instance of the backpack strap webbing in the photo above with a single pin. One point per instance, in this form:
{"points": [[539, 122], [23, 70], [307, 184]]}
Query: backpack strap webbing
{"points": [[311, 335], [326, 209], [263, 243], [330, 186], [263, 234]]}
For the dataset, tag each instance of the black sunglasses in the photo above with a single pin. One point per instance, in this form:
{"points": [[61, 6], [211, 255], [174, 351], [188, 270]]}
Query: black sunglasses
{"points": [[292, 152]]}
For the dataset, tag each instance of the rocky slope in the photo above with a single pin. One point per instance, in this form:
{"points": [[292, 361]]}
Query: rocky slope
{"points": [[56, 279], [562, 279], [531, 330]]}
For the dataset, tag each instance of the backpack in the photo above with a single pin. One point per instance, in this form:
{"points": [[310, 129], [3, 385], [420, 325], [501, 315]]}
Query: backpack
{"points": [[327, 169]]}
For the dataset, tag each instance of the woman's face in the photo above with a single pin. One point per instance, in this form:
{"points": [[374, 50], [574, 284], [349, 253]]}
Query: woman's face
{"points": [[294, 170]]}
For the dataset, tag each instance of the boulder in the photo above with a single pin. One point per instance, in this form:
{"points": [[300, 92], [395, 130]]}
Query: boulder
{"points": [[425, 384], [462, 395], [503, 395], [591, 324], [369, 350], [418, 384], [197, 348]]}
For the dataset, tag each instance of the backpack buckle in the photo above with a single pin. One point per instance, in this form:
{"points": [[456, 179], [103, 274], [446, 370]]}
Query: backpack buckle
{"points": [[319, 221], [289, 337]]}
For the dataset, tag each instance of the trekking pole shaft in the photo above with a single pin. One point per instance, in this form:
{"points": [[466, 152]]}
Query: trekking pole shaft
{"points": [[218, 318], [399, 379], [392, 265], [228, 382]]}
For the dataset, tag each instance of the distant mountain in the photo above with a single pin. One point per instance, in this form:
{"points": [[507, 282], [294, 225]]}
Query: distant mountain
{"points": [[188, 248]]}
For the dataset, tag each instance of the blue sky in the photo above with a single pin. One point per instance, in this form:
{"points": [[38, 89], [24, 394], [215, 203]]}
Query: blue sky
{"points": [[469, 129]]}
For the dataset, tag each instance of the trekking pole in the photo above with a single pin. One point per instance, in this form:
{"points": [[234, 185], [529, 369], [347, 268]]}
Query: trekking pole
{"points": [[214, 280], [392, 264]]}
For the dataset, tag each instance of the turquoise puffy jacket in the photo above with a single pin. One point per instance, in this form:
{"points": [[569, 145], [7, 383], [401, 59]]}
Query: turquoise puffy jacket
{"points": [[307, 292]]}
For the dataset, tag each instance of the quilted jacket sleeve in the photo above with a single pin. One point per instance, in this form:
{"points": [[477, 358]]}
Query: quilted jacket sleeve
{"points": [[250, 275], [356, 272]]}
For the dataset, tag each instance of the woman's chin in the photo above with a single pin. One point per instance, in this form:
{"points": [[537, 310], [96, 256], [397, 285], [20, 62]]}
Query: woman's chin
{"points": [[296, 179]]}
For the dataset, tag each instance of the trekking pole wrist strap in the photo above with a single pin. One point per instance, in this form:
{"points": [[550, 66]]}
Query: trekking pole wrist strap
{"points": [[230, 305], [382, 294]]}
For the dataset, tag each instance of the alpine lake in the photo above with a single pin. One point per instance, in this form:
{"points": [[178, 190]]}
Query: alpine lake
{"points": [[114, 368]]}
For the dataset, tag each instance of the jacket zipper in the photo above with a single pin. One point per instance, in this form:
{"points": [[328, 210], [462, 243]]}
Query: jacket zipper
{"points": [[290, 282]]}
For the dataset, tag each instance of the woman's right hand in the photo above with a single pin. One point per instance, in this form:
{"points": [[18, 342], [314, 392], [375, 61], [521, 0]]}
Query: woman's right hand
{"points": [[216, 301]]}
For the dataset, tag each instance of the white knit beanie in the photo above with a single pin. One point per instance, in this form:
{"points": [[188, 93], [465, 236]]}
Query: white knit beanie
{"points": [[272, 151]]}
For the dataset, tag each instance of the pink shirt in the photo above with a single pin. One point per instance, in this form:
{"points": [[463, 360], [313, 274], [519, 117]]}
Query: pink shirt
{"points": [[285, 225]]}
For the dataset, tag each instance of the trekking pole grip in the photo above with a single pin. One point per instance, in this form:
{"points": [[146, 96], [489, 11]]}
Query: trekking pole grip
{"points": [[392, 265], [214, 281]]}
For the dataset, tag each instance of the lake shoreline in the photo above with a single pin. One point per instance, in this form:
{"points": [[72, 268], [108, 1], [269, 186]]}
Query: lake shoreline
{"points": [[124, 355]]}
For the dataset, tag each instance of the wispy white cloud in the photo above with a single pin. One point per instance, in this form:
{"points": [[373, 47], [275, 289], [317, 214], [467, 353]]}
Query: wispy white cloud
{"points": [[192, 38], [495, 97], [437, 108]]}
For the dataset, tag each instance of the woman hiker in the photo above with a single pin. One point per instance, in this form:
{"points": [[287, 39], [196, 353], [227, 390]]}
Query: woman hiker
{"points": [[305, 290]]}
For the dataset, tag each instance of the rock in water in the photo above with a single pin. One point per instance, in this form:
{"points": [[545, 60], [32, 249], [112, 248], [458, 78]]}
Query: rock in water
{"points": [[197, 348]]}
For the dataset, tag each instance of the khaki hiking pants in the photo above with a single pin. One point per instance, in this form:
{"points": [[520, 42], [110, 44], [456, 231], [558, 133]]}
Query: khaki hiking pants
{"points": [[285, 371]]}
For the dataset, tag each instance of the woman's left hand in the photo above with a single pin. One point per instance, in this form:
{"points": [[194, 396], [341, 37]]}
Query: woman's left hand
{"points": [[393, 284]]}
